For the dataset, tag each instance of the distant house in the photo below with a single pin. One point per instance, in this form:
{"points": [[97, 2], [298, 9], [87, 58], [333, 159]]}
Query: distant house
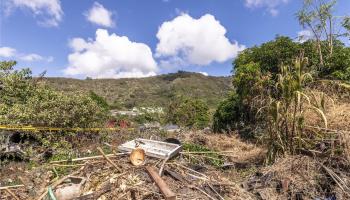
{"points": [[171, 128], [137, 111], [150, 126], [125, 112], [151, 109]]}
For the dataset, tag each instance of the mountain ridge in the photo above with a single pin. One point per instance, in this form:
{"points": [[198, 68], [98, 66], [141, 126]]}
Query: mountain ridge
{"points": [[149, 91]]}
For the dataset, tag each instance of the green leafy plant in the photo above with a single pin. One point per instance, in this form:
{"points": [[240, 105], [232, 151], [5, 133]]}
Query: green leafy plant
{"points": [[211, 158], [27, 101], [99, 100], [188, 112], [285, 113]]}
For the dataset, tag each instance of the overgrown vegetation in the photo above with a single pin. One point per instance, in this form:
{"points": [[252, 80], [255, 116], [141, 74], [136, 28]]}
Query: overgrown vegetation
{"points": [[270, 80], [285, 112], [24, 101], [155, 91], [211, 157], [99, 100], [188, 112]]}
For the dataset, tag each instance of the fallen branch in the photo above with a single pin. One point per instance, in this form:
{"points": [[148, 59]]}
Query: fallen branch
{"points": [[222, 153], [163, 187], [337, 179], [202, 191], [207, 152], [162, 167], [196, 177], [175, 176], [213, 189], [76, 165], [205, 176], [12, 194], [10, 186], [109, 160], [88, 158], [327, 129], [209, 157]]}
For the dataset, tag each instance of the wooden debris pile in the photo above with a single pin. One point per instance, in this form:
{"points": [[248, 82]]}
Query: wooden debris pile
{"points": [[112, 176]]}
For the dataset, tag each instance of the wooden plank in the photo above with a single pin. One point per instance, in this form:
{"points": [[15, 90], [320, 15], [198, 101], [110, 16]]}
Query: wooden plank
{"points": [[163, 187]]}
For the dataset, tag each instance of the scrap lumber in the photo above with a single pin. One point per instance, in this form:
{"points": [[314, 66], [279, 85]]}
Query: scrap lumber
{"points": [[163, 187]]}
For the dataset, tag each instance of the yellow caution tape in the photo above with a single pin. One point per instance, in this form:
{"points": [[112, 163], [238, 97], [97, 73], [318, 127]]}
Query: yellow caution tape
{"points": [[37, 129]]}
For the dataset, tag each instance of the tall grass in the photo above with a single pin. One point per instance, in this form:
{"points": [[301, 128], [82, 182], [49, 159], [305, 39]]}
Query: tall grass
{"points": [[286, 110]]}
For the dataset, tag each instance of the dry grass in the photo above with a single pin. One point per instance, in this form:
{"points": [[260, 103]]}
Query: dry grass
{"points": [[298, 177], [337, 113], [242, 152]]}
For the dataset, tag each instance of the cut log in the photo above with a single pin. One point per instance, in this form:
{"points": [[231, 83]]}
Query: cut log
{"points": [[163, 187]]}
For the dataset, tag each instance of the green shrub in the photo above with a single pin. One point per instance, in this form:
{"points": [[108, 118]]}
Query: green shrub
{"points": [[99, 100], [188, 112], [228, 114], [25, 101], [211, 157], [146, 117], [256, 72]]}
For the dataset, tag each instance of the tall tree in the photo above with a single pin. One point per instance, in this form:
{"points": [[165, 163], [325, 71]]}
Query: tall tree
{"points": [[318, 16]]}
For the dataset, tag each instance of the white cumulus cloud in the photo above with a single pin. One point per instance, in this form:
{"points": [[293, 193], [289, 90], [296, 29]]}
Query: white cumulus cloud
{"points": [[100, 15], [48, 12], [32, 57], [110, 56], [7, 52], [304, 35], [204, 73], [270, 5], [185, 41]]}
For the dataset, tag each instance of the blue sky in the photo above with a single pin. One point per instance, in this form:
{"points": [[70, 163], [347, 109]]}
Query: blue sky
{"points": [[134, 38]]}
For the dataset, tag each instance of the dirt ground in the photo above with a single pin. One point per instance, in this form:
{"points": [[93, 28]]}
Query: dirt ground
{"points": [[242, 175]]}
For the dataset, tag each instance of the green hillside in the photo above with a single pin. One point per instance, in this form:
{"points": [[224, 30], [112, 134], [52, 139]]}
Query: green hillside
{"points": [[150, 91]]}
